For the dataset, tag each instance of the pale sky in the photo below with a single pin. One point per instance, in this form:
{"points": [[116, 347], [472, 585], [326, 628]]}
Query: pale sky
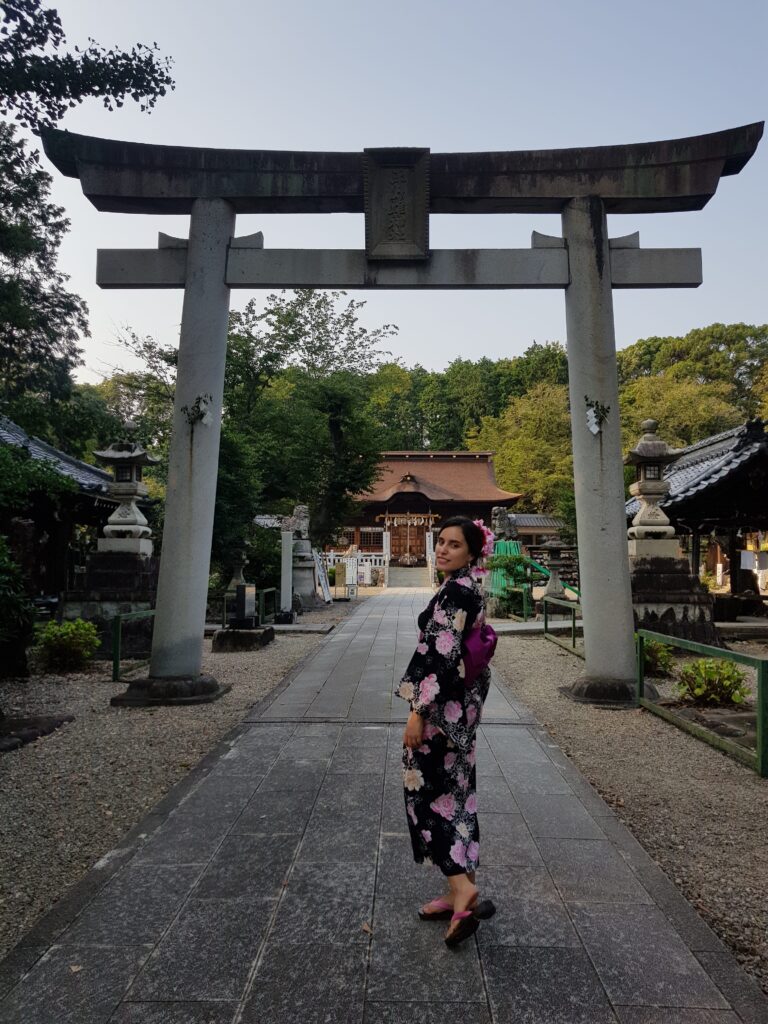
{"points": [[490, 75]]}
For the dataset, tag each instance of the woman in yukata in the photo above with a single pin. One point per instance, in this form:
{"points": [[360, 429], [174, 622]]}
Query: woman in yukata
{"points": [[439, 740]]}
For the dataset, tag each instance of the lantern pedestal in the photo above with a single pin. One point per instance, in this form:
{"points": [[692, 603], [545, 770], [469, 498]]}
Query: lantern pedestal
{"points": [[666, 596]]}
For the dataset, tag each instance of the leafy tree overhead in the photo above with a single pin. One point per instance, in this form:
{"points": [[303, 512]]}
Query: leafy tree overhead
{"points": [[39, 83], [40, 320], [687, 411], [733, 355], [532, 441]]}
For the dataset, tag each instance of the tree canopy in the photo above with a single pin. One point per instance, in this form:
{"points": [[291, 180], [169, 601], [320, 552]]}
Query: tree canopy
{"points": [[39, 83]]}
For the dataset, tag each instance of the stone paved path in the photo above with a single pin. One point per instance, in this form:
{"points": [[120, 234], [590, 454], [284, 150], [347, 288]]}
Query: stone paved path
{"points": [[276, 884]]}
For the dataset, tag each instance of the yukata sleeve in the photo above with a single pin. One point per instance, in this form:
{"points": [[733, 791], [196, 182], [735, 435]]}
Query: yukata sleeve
{"points": [[433, 681]]}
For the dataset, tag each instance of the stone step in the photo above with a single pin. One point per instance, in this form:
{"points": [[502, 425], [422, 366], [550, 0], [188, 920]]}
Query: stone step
{"points": [[401, 576]]}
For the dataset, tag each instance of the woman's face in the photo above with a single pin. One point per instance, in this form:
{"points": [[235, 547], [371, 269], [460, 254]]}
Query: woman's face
{"points": [[452, 550]]}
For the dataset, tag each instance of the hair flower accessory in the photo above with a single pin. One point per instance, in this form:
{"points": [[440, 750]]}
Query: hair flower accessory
{"points": [[489, 538], [488, 542]]}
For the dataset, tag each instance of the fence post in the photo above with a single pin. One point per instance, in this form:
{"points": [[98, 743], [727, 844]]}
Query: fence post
{"points": [[117, 623], [762, 719], [640, 666]]}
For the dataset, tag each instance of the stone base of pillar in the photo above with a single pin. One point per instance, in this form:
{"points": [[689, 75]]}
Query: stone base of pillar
{"points": [[150, 691], [610, 692]]}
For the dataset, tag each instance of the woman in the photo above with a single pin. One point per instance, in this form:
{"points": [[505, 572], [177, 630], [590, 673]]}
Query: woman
{"points": [[439, 739]]}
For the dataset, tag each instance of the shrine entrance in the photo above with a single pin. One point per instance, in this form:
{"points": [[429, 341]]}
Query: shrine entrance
{"points": [[396, 190], [408, 537]]}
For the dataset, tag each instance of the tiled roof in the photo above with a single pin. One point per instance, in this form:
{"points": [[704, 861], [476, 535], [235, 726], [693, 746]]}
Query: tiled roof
{"points": [[89, 478], [439, 476], [709, 462], [533, 521]]}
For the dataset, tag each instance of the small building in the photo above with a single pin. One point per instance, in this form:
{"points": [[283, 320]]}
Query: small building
{"points": [[415, 493], [718, 500], [533, 529], [49, 544]]}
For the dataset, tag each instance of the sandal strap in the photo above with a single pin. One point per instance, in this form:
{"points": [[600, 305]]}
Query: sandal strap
{"points": [[459, 915], [440, 904]]}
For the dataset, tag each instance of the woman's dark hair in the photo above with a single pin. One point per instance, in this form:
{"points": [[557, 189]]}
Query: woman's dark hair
{"points": [[473, 535]]}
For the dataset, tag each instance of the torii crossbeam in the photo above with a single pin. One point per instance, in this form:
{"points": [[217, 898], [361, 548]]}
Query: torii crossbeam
{"points": [[396, 190]]}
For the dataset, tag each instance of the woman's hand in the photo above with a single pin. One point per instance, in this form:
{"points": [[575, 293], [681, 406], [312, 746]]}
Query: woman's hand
{"points": [[414, 729]]}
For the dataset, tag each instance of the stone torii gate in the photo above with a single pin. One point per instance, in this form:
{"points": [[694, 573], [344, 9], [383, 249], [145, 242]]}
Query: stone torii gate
{"points": [[397, 189]]}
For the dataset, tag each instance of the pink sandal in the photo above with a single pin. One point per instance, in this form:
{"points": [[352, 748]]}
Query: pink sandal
{"points": [[468, 925], [445, 909]]}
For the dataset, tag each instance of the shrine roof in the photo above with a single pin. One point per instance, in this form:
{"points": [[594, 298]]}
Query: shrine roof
{"points": [[648, 177], [710, 462], [464, 477], [88, 478], [532, 521]]}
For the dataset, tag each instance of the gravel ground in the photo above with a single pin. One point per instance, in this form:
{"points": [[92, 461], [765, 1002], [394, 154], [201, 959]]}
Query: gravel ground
{"points": [[702, 816], [70, 797]]}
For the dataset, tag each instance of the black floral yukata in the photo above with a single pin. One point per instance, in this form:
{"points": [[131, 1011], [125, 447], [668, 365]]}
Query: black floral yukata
{"points": [[439, 776]]}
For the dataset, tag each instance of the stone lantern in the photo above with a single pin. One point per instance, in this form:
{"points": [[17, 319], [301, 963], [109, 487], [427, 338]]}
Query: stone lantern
{"points": [[666, 596], [127, 529], [555, 564], [650, 458]]}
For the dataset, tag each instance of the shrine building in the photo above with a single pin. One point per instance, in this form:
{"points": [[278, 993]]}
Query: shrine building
{"points": [[417, 491]]}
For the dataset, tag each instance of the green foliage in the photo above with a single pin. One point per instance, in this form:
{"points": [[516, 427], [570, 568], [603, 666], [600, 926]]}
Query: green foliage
{"points": [[532, 441], [40, 321], [332, 575], [658, 658], [733, 356], [25, 482], [687, 410], [68, 646], [710, 681], [16, 617], [39, 84]]}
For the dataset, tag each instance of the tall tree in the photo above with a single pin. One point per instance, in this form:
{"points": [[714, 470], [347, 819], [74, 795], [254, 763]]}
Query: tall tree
{"points": [[733, 355], [532, 442], [41, 321]]}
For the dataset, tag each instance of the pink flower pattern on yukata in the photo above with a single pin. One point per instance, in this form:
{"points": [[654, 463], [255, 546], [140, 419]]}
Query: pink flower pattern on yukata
{"points": [[445, 641], [439, 775], [445, 806], [453, 711], [428, 689], [459, 853]]}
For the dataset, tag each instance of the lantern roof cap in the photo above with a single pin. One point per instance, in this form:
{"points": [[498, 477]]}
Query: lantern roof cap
{"points": [[651, 448], [126, 453]]}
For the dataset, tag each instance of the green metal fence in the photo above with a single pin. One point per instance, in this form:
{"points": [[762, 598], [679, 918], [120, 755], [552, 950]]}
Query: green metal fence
{"points": [[573, 607], [757, 760], [117, 635]]}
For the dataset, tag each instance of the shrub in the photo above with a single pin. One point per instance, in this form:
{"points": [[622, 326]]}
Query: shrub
{"points": [[332, 576], [658, 658], [69, 646], [16, 617], [710, 681]]}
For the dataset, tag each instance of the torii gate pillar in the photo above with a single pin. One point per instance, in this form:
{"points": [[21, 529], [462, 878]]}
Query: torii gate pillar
{"points": [[193, 462], [597, 467]]}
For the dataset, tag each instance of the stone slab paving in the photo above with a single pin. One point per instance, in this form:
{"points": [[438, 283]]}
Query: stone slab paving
{"points": [[276, 885]]}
